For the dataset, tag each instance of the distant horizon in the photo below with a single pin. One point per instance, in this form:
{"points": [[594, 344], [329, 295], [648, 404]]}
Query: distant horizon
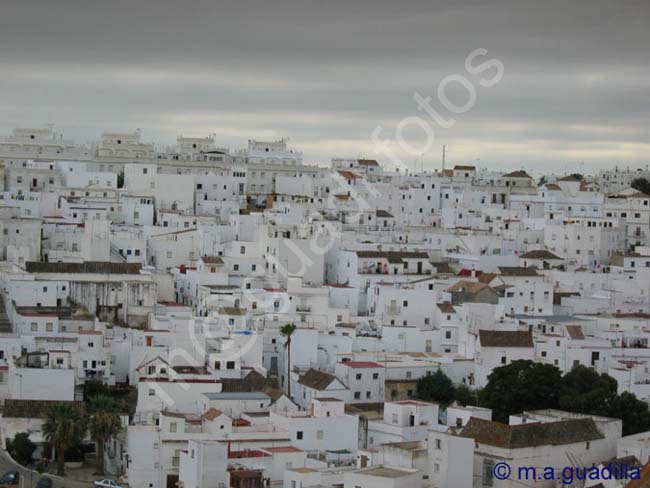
{"points": [[560, 168], [512, 83]]}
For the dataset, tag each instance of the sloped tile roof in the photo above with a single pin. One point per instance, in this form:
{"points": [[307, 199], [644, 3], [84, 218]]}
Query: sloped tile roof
{"points": [[505, 338], [539, 254], [316, 380], [86, 267], [531, 434]]}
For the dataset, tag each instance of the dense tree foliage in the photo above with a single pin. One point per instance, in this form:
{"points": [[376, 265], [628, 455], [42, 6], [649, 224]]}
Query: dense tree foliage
{"points": [[519, 386], [436, 388], [642, 185], [21, 448], [64, 428], [583, 390], [634, 413], [465, 396], [103, 424], [526, 385], [123, 397]]}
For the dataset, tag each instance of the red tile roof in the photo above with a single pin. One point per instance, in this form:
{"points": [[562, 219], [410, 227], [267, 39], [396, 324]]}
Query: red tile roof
{"points": [[361, 364], [349, 175], [248, 453], [281, 449]]}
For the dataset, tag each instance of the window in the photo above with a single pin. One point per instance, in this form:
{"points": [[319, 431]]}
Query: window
{"points": [[152, 392], [405, 303], [299, 435], [49, 327], [358, 376], [375, 376], [242, 250], [173, 427], [357, 395], [319, 435], [503, 360], [34, 326], [448, 334], [488, 472], [230, 364]]}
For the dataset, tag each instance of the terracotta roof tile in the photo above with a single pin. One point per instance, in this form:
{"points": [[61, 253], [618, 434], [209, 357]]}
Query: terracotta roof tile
{"points": [[531, 434], [505, 338]]}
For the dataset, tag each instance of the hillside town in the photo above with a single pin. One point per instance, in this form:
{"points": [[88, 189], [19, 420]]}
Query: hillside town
{"points": [[199, 316]]}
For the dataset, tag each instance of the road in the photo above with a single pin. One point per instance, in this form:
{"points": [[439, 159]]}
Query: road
{"points": [[30, 478]]}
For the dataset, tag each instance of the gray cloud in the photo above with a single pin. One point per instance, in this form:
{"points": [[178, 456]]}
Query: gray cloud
{"points": [[326, 74]]}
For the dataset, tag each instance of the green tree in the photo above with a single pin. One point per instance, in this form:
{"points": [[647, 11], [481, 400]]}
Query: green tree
{"points": [[103, 424], [436, 387], [287, 331], [633, 412], [584, 390], [641, 184], [521, 385], [64, 427], [21, 448], [465, 396]]}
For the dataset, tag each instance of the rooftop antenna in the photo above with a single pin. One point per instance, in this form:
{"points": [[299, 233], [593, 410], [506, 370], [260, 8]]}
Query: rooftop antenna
{"points": [[444, 155]]}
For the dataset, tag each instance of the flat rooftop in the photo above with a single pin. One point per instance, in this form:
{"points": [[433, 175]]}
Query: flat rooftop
{"points": [[238, 395]]}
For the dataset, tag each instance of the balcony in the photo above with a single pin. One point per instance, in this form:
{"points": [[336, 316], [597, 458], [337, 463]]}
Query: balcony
{"points": [[303, 308], [393, 310]]}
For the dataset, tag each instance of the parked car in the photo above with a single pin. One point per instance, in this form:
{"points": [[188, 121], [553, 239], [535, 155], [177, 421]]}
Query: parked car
{"points": [[107, 484], [44, 483], [10, 478]]}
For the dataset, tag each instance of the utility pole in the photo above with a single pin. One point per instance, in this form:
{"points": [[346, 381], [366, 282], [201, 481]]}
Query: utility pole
{"points": [[444, 155]]}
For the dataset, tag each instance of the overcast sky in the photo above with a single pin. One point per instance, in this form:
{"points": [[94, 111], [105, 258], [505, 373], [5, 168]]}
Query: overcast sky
{"points": [[325, 74]]}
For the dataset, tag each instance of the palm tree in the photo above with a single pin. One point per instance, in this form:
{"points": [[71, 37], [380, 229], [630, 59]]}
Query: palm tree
{"points": [[103, 424], [287, 331], [64, 427]]}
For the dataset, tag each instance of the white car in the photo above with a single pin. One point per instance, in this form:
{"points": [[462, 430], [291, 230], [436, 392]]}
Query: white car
{"points": [[107, 484]]}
